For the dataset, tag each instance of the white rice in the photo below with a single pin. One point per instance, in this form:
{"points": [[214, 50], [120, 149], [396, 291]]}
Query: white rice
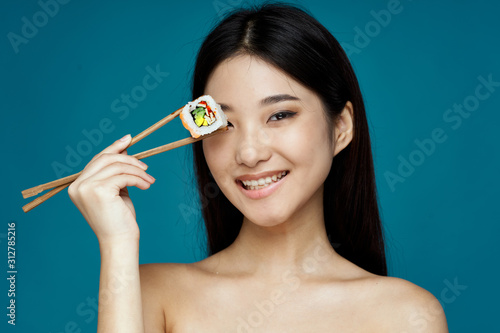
{"points": [[188, 121]]}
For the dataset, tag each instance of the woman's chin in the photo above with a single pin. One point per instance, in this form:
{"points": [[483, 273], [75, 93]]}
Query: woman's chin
{"points": [[265, 221]]}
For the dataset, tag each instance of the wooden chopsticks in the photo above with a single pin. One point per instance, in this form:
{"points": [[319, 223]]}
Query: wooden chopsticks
{"points": [[62, 183]]}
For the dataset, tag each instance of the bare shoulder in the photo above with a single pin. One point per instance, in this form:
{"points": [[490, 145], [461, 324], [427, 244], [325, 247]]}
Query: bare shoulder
{"points": [[405, 307], [160, 272], [173, 275], [161, 280], [167, 289], [158, 284]]}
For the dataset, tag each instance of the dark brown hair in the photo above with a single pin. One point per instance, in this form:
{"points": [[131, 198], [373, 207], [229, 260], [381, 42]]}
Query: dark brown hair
{"points": [[292, 40]]}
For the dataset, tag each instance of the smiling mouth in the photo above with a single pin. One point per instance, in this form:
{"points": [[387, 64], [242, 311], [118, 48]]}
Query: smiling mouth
{"points": [[262, 182]]}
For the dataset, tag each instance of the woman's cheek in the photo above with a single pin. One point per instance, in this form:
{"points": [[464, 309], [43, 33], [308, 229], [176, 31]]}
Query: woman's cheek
{"points": [[218, 159], [214, 148], [291, 141]]}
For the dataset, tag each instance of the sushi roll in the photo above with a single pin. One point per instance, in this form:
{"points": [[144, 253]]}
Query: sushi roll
{"points": [[202, 116]]}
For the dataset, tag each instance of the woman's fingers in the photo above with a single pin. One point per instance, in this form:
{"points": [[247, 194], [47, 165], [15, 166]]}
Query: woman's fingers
{"points": [[106, 159], [99, 191], [117, 168], [101, 194], [121, 181], [116, 147]]}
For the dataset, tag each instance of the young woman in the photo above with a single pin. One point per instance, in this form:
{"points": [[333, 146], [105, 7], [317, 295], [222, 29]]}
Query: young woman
{"points": [[294, 235]]}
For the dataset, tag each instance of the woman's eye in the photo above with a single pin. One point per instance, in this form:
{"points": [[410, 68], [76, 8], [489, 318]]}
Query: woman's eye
{"points": [[282, 115], [229, 124]]}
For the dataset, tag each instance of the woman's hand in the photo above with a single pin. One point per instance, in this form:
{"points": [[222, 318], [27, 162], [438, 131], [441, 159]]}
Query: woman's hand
{"points": [[101, 194]]}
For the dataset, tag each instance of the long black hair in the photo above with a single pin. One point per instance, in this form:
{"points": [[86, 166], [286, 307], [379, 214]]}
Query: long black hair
{"points": [[292, 40]]}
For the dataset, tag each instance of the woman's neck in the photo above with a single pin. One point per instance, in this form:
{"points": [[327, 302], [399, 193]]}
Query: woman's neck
{"points": [[298, 245]]}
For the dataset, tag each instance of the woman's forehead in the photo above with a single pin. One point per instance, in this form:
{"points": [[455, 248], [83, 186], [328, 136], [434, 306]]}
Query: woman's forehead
{"points": [[251, 79]]}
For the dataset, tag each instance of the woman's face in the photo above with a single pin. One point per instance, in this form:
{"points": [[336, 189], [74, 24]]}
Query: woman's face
{"points": [[273, 160]]}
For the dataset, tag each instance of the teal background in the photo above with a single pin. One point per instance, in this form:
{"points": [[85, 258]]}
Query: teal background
{"points": [[441, 222]]}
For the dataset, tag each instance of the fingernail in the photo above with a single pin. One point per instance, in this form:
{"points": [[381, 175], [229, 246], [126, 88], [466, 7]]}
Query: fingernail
{"points": [[143, 164], [125, 138]]}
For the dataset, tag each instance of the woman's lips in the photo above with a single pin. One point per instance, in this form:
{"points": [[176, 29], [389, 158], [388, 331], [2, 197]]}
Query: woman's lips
{"points": [[265, 191]]}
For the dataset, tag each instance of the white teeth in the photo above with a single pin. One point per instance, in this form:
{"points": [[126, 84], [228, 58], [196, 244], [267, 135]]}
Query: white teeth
{"points": [[262, 182]]}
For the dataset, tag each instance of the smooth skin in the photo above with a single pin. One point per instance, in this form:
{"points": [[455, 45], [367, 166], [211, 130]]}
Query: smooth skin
{"points": [[281, 273]]}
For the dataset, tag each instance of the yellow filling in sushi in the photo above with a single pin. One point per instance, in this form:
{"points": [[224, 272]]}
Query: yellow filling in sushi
{"points": [[203, 114]]}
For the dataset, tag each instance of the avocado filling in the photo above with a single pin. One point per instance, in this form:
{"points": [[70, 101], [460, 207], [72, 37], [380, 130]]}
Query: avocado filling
{"points": [[203, 115]]}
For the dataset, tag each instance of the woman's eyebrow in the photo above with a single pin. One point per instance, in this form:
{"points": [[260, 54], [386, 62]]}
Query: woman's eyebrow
{"points": [[278, 98], [266, 101], [225, 107]]}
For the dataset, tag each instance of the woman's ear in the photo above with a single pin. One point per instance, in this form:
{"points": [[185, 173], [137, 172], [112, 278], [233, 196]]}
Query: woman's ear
{"points": [[344, 128]]}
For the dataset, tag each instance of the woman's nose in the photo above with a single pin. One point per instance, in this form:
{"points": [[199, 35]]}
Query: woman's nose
{"points": [[253, 147]]}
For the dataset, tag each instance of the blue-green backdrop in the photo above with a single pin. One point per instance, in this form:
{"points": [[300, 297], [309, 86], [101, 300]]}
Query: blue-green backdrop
{"points": [[429, 72]]}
